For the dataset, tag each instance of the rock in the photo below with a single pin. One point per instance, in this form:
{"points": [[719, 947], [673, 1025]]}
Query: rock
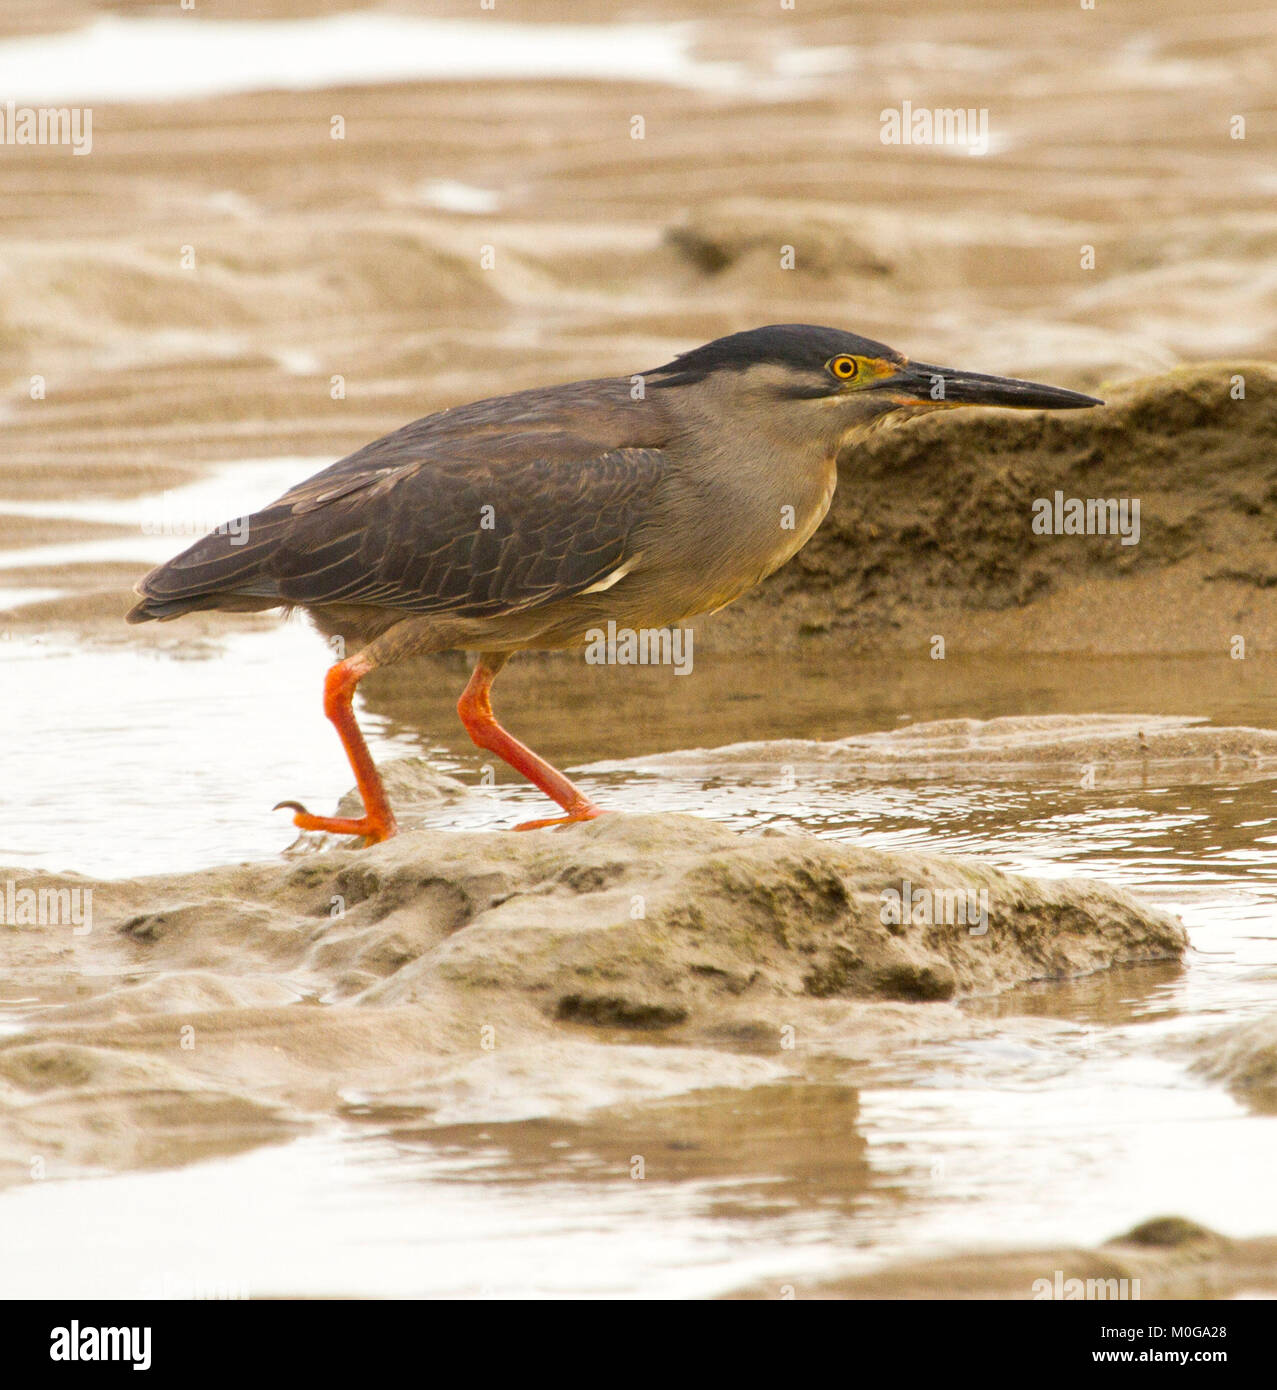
{"points": [[654, 920], [1168, 1233], [65, 1106], [1167, 1258], [437, 969], [1244, 1058]]}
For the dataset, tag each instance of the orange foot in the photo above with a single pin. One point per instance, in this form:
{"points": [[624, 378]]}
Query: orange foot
{"points": [[587, 812], [373, 829]]}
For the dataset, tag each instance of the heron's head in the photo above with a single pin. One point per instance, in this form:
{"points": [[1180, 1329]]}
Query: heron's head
{"points": [[834, 387]]}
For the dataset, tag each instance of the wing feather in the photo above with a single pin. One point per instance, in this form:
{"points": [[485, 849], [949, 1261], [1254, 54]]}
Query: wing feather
{"points": [[462, 537]]}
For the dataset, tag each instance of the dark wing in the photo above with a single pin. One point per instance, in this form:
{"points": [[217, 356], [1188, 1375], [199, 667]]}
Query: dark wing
{"points": [[452, 535]]}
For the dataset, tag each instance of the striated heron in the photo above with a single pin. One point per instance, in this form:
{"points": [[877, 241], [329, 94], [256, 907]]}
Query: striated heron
{"points": [[527, 520]]}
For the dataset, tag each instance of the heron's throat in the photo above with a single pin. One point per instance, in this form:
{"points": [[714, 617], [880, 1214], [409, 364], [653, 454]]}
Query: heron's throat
{"points": [[855, 431]]}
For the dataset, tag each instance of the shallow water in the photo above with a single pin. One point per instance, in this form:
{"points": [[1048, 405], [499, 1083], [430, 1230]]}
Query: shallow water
{"points": [[154, 58], [1068, 1117]]}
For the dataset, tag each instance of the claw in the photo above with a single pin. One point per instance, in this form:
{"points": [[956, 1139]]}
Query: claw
{"points": [[588, 812], [372, 830]]}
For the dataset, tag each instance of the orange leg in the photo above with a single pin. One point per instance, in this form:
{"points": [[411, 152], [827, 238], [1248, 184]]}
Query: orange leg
{"points": [[378, 821], [475, 709]]}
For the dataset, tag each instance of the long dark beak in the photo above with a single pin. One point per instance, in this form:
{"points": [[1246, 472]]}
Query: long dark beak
{"points": [[943, 386]]}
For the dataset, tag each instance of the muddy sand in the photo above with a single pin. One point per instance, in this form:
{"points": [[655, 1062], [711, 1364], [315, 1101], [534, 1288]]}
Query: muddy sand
{"points": [[1163, 1258], [217, 1009]]}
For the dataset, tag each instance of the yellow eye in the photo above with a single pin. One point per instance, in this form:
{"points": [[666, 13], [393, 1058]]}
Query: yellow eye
{"points": [[844, 368]]}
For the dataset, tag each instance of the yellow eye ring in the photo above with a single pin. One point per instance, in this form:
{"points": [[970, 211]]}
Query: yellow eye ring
{"points": [[844, 368]]}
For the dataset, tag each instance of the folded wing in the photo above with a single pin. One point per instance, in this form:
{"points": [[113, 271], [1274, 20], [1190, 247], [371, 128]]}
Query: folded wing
{"points": [[460, 535]]}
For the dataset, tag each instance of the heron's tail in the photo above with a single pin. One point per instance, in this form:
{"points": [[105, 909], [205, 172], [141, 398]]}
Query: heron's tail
{"points": [[223, 570]]}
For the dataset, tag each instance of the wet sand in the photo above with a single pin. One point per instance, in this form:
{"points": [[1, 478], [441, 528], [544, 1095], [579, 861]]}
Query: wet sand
{"points": [[439, 947], [1166, 1258], [477, 998]]}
